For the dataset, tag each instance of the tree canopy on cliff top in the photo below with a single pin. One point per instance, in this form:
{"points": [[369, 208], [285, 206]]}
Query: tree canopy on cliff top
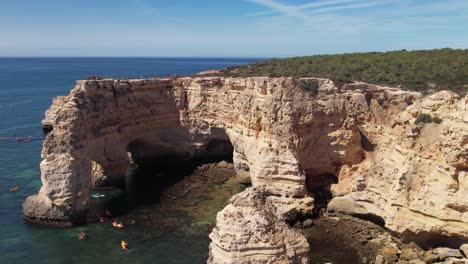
{"points": [[414, 70]]}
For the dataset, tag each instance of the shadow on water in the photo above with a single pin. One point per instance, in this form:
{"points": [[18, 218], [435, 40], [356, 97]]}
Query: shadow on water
{"points": [[149, 177]]}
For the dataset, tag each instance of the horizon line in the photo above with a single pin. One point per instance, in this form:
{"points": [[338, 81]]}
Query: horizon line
{"points": [[138, 57], [223, 57]]}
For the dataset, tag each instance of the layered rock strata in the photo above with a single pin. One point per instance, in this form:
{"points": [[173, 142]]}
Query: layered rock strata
{"points": [[294, 138], [249, 230], [416, 177]]}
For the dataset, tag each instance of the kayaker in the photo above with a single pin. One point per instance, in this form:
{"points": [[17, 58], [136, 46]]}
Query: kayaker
{"points": [[117, 224], [15, 188], [124, 245]]}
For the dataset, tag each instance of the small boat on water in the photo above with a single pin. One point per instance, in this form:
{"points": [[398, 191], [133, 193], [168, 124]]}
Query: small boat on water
{"points": [[24, 139], [82, 236], [97, 195], [15, 188], [124, 245], [117, 225]]}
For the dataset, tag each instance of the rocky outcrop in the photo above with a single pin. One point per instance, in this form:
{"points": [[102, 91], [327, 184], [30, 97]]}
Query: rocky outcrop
{"points": [[289, 138], [52, 112], [249, 230], [411, 253], [415, 178]]}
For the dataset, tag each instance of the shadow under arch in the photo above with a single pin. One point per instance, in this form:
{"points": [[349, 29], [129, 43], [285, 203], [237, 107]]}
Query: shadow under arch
{"points": [[156, 166]]}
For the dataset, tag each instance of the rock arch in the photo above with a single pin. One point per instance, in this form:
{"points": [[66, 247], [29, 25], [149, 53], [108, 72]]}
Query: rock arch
{"points": [[101, 120]]}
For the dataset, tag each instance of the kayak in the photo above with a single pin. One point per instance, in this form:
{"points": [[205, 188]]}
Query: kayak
{"points": [[15, 188], [97, 195], [117, 225], [82, 236], [24, 139], [124, 245]]}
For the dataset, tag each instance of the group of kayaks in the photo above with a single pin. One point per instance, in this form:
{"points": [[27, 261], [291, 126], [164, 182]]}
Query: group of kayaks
{"points": [[18, 139], [124, 245]]}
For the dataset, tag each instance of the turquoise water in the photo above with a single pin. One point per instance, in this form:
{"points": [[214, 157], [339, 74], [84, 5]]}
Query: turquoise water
{"points": [[27, 86]]}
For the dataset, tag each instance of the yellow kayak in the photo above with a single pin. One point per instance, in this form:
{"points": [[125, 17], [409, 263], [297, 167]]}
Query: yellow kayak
{"points": [[124, 245], [117, 225]]}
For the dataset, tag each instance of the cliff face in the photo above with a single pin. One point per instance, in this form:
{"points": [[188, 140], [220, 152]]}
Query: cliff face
{"points": [[361, 138], [416, 178]]}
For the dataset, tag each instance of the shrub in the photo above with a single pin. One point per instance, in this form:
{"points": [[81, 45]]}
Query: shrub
{"points": [[310, 86], [436, 120], [423, 118]]}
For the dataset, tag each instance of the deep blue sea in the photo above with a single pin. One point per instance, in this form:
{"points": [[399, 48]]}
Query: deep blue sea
{"points": [[27, 86]]}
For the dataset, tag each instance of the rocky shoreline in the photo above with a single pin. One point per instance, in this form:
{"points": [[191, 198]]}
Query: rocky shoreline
{"points": [[332, 237], [355, 240]]}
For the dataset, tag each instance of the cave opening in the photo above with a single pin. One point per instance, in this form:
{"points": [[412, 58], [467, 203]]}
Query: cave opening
{"points": [[156, 167], [319, 186]]}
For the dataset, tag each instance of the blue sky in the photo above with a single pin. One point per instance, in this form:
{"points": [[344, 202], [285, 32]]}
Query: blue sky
{"points": [[228, 28]]}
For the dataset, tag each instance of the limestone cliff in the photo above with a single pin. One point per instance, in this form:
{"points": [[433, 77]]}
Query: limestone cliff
{"points": [[361, 138], [248, 230], [416, 177]]}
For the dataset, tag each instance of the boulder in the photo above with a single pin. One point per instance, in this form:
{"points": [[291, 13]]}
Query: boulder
{"points": [[389, 253], [444, 252], [464, 250]]}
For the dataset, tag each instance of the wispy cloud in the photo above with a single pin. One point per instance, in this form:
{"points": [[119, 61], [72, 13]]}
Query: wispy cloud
{"points": [[326, 3], [353, 6], [284, 9], [305, 11]]}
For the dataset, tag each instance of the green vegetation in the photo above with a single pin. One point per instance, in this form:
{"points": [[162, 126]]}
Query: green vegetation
{"points": [[427, 119], [309, 85], [414, 70], [436, 120]]}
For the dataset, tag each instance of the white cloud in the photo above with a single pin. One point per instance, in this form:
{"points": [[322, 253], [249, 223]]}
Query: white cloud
{"points": [[305, 11], [281, 8], [353, 6]]}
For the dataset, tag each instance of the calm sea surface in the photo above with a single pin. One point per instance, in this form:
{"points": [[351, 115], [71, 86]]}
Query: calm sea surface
{"points": [[27, 86]]}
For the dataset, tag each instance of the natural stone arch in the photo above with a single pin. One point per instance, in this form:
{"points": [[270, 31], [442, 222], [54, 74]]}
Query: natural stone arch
{"points": [[144, 151]]}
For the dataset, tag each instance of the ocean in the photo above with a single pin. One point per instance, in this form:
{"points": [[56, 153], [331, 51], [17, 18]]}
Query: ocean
{"points": [[27, 86]]}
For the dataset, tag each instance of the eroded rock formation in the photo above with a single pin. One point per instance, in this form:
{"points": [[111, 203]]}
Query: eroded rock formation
{"points": [[249, 230], [361, 140], [416, 178]]}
